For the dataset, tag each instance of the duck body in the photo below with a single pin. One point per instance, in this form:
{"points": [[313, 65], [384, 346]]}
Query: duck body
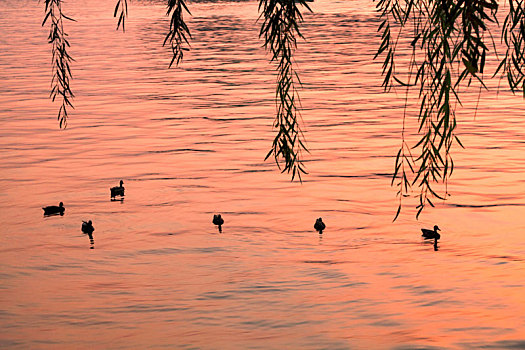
{"points": [[218, 220], [53, 209], [319, 225], [87, 227], [431, 234], [117, 190]]}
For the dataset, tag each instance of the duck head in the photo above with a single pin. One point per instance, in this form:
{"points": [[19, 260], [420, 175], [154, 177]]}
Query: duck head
{"points": [[121, 183], [61, 205], [436, 228]]}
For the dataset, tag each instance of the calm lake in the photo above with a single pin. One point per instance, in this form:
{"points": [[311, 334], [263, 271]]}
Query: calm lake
{"points": [[189, 142]]}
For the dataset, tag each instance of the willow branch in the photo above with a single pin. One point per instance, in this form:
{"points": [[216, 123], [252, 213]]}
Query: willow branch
{"points": [[512, 66], [61, 60], [122, 5], [449, 51], [280, 30], [179, 33]]}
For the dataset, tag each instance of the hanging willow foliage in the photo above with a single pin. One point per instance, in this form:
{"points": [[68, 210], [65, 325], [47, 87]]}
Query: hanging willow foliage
{"points": [[448, 40], [449, 43], [60, 58], [280, 29], [513, 34], [179, 32], [122, 5]]}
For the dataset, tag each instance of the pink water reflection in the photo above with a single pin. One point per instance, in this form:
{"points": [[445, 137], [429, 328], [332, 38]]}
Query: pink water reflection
{"points": [[190, 143]]}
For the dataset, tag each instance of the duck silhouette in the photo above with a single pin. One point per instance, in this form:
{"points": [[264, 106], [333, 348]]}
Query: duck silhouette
{"points": [[218, 220], [87, 227], [53, 209], [431, 234], [319, 225], [117, 190]]}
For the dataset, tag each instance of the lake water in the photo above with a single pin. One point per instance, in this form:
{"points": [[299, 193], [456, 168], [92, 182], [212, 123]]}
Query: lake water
{"points": [[189, 142]]}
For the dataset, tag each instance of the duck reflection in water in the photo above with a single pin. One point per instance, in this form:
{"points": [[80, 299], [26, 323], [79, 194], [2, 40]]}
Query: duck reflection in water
{"points": [[91, 240], [219, 221], [87, 227]]}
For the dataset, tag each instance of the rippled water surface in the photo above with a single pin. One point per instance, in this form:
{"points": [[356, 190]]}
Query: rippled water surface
{"points": [[189, 142]]}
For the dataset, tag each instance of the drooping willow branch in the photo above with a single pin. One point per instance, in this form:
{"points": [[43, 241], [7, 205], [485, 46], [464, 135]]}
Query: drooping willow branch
{"points": [[513, 35], [179, 33], [60, 58], [448, 53], [449, 50], [123, 6], [280, 29]]}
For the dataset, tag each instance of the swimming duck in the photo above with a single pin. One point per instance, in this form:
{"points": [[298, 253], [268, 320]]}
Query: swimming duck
{"points": [[53, 209], [319, 225], [87, 227], [218, 220], [431, 234], [117, 190]]}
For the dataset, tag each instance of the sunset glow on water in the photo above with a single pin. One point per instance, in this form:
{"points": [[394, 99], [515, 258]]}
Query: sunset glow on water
{"points": [[190, 142]]}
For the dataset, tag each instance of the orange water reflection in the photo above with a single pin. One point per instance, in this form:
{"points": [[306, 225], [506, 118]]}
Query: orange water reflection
{"points": [[190, 143]]}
